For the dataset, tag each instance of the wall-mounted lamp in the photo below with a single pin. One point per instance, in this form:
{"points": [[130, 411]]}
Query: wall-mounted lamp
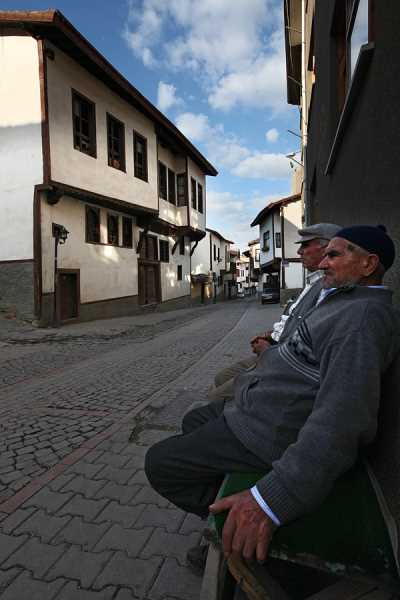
{"points": [[60, 234]]}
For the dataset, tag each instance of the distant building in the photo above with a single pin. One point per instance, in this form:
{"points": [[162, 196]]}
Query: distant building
{"points": [[84, 154], [210, 264], [253, 254], [280, 266]]}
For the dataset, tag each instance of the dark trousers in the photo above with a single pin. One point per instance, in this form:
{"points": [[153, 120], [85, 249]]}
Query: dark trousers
{"points": [[188, 469]]}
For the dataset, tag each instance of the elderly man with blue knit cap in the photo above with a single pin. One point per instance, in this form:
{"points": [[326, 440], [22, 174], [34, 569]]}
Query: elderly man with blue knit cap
{"points": [[303, 414]]}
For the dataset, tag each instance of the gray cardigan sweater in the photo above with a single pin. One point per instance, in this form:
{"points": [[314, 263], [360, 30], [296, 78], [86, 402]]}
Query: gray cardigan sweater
{"points": [[312, 401]]}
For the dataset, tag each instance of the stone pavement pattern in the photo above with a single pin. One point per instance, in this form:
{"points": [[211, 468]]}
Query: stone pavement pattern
{"points": [[78, 410]]}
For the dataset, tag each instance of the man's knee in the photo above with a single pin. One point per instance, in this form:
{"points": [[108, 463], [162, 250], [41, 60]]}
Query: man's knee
{"points": [[190, 421], [154, 463]]}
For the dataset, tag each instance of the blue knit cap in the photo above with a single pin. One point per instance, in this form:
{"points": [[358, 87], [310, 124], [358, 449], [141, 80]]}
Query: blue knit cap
{"points": [[374, 240]]}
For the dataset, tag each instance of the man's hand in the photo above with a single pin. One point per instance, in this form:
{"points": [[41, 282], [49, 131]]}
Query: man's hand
{"points": [[248, 529], [258, 344]]}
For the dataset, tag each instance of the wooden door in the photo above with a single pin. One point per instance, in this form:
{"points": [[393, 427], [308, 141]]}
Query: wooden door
{"points": [[68, 294], [149, 271], [149, 283]]}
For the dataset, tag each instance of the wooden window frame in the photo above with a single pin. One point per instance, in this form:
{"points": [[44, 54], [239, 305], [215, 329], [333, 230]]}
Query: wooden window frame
{"points": [[143, 175], [88, 239], [110, 218], [351, 16], [115, 160], [193, 193], [179, 273], [266, 240], [171, 186], [200, 205], [348, 85], [181, 182], [125, 243], [164, 254], [144, 248], [278, 239], [162, 189], [92, 150]]}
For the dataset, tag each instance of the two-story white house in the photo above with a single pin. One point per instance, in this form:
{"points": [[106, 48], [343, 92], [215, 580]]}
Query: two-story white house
{"points": [[102, 196], [210, 263], [253, 254], [280, 266], [243, 274]]}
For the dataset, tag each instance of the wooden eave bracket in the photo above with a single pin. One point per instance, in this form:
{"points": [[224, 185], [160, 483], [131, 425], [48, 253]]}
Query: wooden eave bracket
{"points": [[194, 248], [53, 196], [175, 245], [141, 239]]}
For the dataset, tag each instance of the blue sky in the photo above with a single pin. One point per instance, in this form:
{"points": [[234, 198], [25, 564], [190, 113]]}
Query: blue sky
{"points": [[216, 68]]}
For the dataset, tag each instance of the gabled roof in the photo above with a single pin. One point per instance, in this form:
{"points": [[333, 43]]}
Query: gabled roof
{"points": [[221, 237], [254, 242], [273, 206], [53, 26]]}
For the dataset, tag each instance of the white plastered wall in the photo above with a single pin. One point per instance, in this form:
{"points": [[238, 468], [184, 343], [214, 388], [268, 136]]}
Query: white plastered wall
{"points": [[197, 219], [21, 165], [292, 223], [266, 225], [76, 168], [217, 266], [277, 229], [170, 286], [294, 275], [106, 272], [178, 215], [201, 256]]}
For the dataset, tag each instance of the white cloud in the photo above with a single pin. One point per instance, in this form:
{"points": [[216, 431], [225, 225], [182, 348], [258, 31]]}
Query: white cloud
{"points": [[166, 96], [195, 126], [225, 150], [272, 135], [231, 214], [260, 84], [220, 203], [234, 48], [263, 166]]}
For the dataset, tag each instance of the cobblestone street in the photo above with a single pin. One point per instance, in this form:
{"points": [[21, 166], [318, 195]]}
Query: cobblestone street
{"points": [[79, 406]]}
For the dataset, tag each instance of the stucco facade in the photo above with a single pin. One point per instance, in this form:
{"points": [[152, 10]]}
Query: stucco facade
{"points": [[210, 263], [280, 265], [64, 114]]}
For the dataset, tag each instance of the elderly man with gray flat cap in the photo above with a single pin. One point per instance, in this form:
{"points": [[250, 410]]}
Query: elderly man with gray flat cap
{"points": [[303, 414], [312, 243]]}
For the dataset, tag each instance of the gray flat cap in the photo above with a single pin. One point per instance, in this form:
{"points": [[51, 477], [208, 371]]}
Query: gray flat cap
{"points": [[325, 231]]}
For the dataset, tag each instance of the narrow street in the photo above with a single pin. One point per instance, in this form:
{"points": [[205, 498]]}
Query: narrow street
{"points": [[79, 406]]}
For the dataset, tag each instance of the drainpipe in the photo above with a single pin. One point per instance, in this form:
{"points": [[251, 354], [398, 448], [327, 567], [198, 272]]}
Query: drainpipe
{"points": [[283, 274], [304, 111]]}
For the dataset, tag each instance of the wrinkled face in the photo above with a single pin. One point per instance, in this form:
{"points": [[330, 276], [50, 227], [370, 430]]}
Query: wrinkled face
{"points": [[342, 266], [311, 254]]}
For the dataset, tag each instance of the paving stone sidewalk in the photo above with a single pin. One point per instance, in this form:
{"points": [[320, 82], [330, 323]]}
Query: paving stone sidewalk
{"points": [[84, 524]]}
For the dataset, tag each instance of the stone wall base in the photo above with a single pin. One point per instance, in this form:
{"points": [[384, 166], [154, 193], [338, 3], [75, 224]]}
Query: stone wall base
{"points": [[16, 289], [108, 309]]}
